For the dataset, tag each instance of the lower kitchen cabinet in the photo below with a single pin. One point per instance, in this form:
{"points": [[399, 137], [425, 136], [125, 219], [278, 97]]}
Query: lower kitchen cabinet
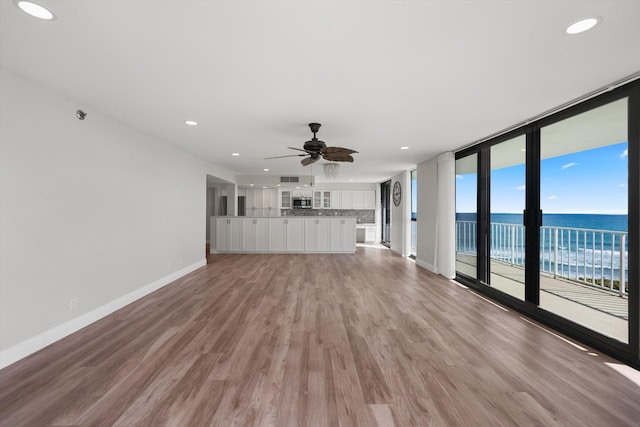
{"points": [[255, 235], [229, 233], [317, 234], [343, 234], [294, 232], [285, 234]]}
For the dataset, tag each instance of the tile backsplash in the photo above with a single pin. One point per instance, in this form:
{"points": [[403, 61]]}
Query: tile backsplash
{"points": [[363, 216]]}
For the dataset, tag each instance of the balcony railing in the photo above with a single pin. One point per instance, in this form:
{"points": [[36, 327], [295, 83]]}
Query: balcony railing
{"points": [[593, 257]]}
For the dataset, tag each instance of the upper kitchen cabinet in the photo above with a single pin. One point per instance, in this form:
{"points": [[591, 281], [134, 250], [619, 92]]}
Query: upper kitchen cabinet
{"points": [[347, 199], [260, 201], [336, 199], [322, 199], [358, 199], [303, 192], [369, 199], [286, 199]]}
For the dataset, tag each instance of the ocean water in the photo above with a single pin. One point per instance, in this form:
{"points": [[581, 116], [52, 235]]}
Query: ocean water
{"points": [[578, 245], [587, 221]]}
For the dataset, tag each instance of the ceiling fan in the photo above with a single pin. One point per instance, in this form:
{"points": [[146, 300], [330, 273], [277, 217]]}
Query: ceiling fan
{"points": [[316, 149]]}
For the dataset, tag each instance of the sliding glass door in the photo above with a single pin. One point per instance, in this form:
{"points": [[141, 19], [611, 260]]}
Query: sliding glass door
{"points": [[466, 215], [506, 230], [583, 241], [548, 220]]}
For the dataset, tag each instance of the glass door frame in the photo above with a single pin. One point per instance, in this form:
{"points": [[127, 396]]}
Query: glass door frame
{"points": [[630, 353]]}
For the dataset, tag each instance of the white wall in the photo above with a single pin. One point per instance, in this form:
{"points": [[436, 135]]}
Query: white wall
{"points": [[436, 215], [89, 210]]}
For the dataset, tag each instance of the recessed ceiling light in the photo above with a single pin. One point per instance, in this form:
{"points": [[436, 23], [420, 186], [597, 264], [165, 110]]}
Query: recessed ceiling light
{"points": [[264, 187], [404, 148], [266, 169], [583, 25], [278, 185], [251, 185], [35, 10], [235, 154], [190, 123], [298, 188]]}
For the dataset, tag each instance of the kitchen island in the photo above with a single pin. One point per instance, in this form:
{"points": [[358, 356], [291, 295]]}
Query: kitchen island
{"points": [[309, 234]]}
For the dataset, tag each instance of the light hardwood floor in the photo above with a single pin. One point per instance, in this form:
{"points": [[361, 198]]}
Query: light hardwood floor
{"points": [[315, 340]]}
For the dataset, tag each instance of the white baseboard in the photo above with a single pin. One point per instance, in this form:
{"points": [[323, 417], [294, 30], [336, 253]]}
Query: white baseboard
{"points": [[31, 345], [426, 266]]}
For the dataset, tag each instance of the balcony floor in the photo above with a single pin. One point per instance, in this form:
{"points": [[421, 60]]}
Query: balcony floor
{"points": [[603, 311]]}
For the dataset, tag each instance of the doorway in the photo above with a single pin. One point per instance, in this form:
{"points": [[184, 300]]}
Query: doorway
{"points": [[385, 204]]}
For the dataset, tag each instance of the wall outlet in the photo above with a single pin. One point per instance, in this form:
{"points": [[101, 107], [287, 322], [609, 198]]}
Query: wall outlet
{"points": [[73, 304]]}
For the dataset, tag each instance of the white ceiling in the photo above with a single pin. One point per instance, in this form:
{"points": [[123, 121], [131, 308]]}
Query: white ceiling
{"points": [[431, 75]]}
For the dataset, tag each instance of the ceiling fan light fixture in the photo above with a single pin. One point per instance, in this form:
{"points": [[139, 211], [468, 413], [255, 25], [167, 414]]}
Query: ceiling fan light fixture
{"points": [[331, 170]]}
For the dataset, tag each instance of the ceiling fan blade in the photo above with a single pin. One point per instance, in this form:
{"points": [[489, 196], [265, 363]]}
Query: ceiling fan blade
{"points": [[308, 161], [300, 149], [280, 157], [330, 150], [335, 157]]}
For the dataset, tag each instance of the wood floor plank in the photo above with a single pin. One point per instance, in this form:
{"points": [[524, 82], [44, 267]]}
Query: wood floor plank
{"points": [[368, 339]]}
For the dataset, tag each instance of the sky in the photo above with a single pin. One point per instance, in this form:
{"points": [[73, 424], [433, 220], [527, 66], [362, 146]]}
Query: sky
{"points": [[590, 182]]}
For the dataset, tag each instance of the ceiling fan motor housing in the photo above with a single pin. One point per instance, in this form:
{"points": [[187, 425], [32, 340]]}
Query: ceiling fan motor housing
{"points": [[314, 145]]}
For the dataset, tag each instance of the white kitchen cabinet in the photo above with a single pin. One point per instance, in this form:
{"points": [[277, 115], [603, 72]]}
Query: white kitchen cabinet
{"points": [[358, 199], [229, 234], [347, 199], [258, 194], [286, 199], [370, 234], [343, 234], [303, 192], [286, 234], [317, 200], [317, 234], [369, 199], [272, 195], [277, 242], [294, 232], [322, 199], [336, 199], [326, 199], [255, 234]]}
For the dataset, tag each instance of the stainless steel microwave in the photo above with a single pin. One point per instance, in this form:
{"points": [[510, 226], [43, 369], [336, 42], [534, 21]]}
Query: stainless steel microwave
{"points": [[301, 203]]}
